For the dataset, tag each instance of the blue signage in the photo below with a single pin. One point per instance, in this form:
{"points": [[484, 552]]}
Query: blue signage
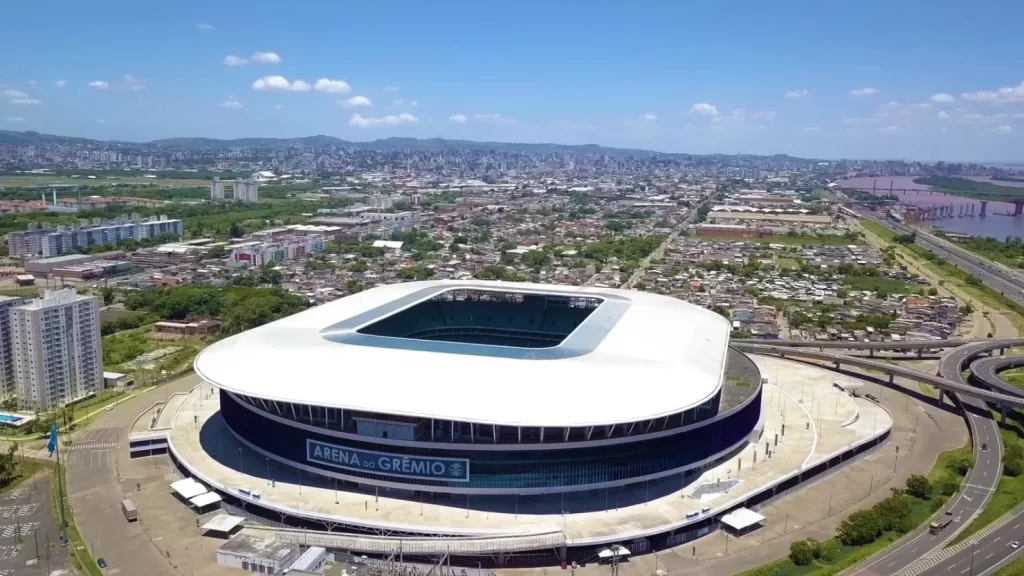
{"points": [[430, 468]]}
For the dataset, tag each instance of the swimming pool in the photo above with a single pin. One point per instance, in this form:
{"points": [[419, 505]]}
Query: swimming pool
{"points": [[10, 418]]}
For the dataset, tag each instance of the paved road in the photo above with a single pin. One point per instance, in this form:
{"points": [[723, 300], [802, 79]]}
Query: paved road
{"points": [[29, 537], [978, 486], [992, 275], [985, 557]]}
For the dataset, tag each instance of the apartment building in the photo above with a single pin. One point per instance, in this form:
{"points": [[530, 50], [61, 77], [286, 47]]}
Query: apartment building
{"points": [[46, 241], [55, 344], [6, 355]]}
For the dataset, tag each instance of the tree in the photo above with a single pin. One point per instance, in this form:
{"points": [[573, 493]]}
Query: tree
{"points": [[722, 311], [129, 244], [1013, 467], [108, 295], [918, 486], [861, 527], [235, 230], [801, 552], [933, 291], [960, 463], [947, 485]]}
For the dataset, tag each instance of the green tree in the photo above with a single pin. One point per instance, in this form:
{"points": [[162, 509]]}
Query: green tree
{"points": [[960, 463], [801, 552], [933, 291], [1013, 467], [235, 230], [918, 486], [861, 527]]}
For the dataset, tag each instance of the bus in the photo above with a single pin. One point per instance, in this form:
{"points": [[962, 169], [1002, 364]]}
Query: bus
{"points": [[130, 513], [940, 523]]}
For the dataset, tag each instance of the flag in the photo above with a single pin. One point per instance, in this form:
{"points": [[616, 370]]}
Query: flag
{"points": [[52, 444]]}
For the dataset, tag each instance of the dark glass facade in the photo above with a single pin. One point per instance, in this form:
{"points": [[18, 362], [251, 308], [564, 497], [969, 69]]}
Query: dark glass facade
{"points": [[508, 471]]}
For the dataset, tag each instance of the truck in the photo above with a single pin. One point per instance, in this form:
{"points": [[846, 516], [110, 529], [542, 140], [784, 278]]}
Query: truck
{"points": [[940, 523], [130, 513]]}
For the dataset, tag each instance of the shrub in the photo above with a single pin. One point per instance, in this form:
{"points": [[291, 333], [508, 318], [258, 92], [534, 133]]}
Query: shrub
{"points": [[918, 486], [947, 485], [1013, 466], [801, 552], [861, 527], [960, 463]]}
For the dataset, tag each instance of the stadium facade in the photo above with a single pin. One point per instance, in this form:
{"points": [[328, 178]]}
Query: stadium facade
{"points": [[490, 388]]}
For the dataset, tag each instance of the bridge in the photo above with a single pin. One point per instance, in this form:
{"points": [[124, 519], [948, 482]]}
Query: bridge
{"points": [[944, 385]]}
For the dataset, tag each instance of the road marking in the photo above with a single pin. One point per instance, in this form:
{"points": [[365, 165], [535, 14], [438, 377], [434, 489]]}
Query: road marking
{"points": [[964, 571], [998, 538], [990, 555], [1017, 525]]}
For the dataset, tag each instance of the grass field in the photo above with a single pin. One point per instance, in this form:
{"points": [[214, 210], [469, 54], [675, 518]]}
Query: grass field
{"points": [[841, 556], [22, 180], [1014, 376], [878, 230], [889, 285]]}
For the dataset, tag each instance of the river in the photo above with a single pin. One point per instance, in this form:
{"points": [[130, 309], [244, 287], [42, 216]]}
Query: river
{"points": [[997, 223]]}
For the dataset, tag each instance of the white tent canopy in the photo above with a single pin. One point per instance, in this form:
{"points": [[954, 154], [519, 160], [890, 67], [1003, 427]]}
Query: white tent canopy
{"points": [[742, 518], [620, 551], [188, 488], [204, 500], [223, 523]]}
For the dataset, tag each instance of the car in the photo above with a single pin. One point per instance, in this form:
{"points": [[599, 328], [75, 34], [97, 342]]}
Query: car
{"points": [[109, 408], [101, 563], [984, 446], [1015, 544]]}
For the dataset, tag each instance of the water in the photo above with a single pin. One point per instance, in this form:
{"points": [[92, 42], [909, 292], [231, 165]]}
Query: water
{"points": [[10, 418], [996, 224]]}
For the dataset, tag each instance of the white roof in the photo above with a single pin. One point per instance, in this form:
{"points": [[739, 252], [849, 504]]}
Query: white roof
{"points": [[742, 518], [223, 523], [204, 499], [188, 488], [661, 356]]}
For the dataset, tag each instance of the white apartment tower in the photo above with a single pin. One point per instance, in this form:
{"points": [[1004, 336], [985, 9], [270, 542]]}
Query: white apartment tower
{"points": [[7, 387], [55, 342], [216, 189], [247, 190]]}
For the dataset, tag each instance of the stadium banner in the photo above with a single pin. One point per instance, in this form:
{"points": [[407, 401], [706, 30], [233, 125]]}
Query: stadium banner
{"points": [[430, 468]]}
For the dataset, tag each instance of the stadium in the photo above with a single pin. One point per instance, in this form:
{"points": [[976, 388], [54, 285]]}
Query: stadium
{"points": [[452, 388]]}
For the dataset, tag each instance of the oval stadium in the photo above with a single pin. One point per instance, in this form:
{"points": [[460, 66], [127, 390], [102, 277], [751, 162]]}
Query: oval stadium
{"points": [[452, 388]]}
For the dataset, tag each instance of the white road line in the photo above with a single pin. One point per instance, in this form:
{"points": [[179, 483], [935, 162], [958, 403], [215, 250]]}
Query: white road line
{"points": [[990, 555]]}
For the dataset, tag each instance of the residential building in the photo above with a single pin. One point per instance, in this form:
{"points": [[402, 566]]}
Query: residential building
{"points": [[55, 341], [216, 189], [46, 241], [6, 356], [282, 249], [381, 201]]}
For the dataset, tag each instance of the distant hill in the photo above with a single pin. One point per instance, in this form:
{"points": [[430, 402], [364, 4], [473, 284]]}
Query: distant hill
{"points": [[383, 145]]}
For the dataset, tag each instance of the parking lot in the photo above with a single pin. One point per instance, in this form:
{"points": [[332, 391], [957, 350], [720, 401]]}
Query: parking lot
{"points": [[29, 537]]}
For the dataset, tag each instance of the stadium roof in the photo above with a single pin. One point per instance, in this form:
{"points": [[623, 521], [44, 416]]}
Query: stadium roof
{"points": [[638, 356]]}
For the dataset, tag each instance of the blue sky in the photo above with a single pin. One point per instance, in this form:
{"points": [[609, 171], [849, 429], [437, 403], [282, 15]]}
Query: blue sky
{"points": [[870, 79]]}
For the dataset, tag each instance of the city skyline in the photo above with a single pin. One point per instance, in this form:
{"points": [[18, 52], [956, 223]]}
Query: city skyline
{"points": [[805, 80]]}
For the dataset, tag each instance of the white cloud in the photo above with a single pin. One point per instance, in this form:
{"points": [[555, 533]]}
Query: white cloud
{"points": [[943, 115], [767, 116], [99, 85], [867, 91], [204, 27], [1005, 94], [391, 88], [232, 60], [942, 98], [704, 109], [403, 119], [458, 118], [60, 84], [403, 102], [25, 101], [889, 129], [853, 121], [332, 86], [278, 106], [1004, 129], [797, 94], [413, 103], [266, 58], [230, 103], [33, 83], [101, 121], [922, 105], [649, 117], [812, 129], [974, 116], [356, 102], [129, 82], [16, 119], [15, 94], [493, 119], [280, 83]]}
